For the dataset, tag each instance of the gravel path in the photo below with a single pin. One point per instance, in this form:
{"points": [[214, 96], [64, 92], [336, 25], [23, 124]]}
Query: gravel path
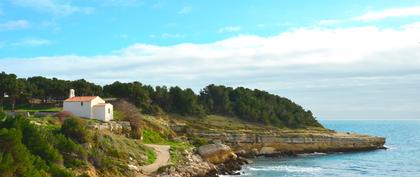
{"points": [[162, 158]]}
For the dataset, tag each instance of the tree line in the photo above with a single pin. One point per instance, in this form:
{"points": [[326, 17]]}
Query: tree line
{"points": [[247, 104]]}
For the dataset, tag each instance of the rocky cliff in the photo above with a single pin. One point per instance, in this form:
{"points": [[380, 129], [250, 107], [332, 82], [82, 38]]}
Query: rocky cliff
{"points": [[278, 143]]}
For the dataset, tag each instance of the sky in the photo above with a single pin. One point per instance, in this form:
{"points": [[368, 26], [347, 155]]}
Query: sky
{"points": [[352, 59]]}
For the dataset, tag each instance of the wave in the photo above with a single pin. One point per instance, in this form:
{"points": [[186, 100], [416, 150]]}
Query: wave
{"points": [[312, 154], [390, 147], [286, 168]]}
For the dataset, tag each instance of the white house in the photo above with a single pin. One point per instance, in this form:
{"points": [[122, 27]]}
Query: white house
{"points": [[92, 107]]}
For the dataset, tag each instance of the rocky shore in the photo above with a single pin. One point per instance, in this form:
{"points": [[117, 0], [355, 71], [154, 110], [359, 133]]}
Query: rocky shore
{"points": [[209, 161], [228, 153], [255, 144]]}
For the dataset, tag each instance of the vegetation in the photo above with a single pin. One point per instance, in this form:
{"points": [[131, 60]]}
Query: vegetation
{"points": [[131, 113], [152, 137], [151, 156], [59, 145], [28, 150], [76, 129], [44, 147], [246, 104]]}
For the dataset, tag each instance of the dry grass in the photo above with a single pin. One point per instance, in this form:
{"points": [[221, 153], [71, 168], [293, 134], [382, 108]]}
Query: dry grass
{"points": [[227, 124]]}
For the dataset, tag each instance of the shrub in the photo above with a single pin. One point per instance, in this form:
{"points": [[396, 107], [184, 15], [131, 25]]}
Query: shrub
{"points": [[15, 158], [36, 141], [57, 171], [197, 141], [2, 114], [131, 114], [64, 115], [76, 129], [74, 154]]}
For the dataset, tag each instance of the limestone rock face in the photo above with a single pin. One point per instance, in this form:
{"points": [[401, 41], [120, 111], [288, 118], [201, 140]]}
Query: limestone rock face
{"points": [[283, 143], [216, 153]]}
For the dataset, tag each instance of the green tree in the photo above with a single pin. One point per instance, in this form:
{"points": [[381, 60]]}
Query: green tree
{"points": [[15, 158]]}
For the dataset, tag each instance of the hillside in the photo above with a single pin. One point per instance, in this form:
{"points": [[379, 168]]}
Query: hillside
{"points": [[245, 104], [206, 133]]}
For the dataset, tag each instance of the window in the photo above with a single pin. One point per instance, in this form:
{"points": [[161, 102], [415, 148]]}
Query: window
{"points": [[109, 111], [81, 103]]}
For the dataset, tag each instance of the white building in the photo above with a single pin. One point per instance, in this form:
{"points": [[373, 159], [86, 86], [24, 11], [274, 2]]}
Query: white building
{"points": [[92, 107]]}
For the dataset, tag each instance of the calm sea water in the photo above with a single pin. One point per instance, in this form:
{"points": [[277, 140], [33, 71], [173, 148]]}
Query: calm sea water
{"points": [[402, 159]]}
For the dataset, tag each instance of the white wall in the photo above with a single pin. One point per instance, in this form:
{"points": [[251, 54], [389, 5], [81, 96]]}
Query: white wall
{"points": [[103, 112], [96, 101], [109, 112], [99, 112], [77, 109]]}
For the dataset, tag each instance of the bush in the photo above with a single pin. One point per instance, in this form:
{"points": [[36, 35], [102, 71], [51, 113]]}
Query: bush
{"points": [[74, 154], [15, 158], [131, 114], [2, 114], [76, 129], [36, 141], [64, 115], [197, 141], [57, 171]]}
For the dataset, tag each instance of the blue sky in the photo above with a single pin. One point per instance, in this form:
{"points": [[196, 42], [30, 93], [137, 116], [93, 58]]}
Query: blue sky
{"points": [[341, 59]]}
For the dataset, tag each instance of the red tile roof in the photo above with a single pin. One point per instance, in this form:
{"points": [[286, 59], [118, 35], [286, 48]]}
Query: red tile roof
{"points": [[80, 98]]}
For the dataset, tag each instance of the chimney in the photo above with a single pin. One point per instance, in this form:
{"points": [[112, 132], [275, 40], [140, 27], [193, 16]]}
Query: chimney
{"points": [[71, 93]]}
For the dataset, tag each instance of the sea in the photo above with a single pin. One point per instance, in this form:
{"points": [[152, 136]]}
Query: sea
{"points": [[401, 159]]}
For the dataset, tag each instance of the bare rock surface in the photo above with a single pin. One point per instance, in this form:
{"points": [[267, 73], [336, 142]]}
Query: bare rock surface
{"points": [[216, 153]]}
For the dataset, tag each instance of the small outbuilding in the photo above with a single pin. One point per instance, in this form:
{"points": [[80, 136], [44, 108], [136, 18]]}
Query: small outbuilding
{"points": [[92, 107]]}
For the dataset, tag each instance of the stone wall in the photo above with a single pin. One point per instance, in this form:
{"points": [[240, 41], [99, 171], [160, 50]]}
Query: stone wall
{"points": [[117, 127]]}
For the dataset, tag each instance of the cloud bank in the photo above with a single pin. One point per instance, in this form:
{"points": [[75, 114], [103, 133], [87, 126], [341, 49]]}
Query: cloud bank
{"points": [[330, 71], [394, 12]]}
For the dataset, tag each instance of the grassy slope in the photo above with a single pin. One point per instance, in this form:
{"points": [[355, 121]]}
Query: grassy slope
{"points": [[112, 152], [230, 124]]}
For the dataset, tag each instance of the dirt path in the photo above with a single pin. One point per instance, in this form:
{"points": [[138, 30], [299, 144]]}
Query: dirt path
{"points": [[162, 158]]}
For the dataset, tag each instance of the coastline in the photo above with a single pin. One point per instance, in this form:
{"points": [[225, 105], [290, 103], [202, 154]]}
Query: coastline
{"points": [[246, 146]]}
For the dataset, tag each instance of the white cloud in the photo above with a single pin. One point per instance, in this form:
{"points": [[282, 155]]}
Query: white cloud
{"points": [[394, 12], [413, 26], [353, 68], [329, 22], [185, 10], [12, 25], [57, 7], [229, 29], [32, 42]]}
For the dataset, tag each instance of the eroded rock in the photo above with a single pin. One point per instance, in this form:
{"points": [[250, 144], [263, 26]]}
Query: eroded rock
{"points": [[216, 153]]}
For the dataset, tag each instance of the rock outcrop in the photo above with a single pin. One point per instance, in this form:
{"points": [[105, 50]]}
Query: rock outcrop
{"points": [[194, 166], [216, 153], [282, 143]]}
